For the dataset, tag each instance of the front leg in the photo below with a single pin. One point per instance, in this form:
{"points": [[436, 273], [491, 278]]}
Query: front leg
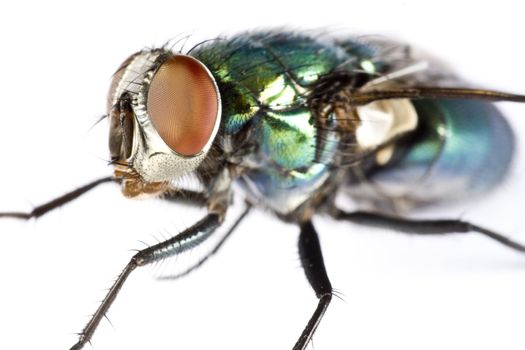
{"points": [[313, 265], [57, 202], [199, 232], [182, 242]]}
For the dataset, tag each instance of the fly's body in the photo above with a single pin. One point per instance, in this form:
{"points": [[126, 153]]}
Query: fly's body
{"points": [[295, 120], [269, 84], [269, 130]]}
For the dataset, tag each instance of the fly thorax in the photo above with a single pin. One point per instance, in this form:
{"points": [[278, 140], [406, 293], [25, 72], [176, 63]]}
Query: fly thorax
{"points": [[164, 115]]}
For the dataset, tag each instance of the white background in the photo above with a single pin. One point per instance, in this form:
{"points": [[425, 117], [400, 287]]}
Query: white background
{"points": [[399, 292]]}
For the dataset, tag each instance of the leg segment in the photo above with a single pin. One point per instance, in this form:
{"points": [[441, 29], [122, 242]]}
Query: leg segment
{"points": [[423, 227], [313, 265], [184, 241], [185, 196], [57, 202], [215, 249], [174, 195]]}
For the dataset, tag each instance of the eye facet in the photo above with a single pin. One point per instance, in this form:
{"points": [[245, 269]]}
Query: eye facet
{"points": [[183, 104]]}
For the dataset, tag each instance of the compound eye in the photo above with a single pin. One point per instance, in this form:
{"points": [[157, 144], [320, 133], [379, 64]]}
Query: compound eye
{"points": [[183, 104]]}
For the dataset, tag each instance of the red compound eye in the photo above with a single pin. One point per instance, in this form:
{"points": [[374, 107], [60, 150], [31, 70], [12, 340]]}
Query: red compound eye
{"points": [[183, 104]]}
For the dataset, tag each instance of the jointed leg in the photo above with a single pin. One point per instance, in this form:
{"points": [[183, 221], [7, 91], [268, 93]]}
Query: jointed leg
{"points": [[57, 202], [212, 252], [423, 227], [174, 195], [173, 246], [313, 265], [185, 196]]}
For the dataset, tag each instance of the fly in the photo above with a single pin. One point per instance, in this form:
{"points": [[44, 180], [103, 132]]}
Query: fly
{"points": [[294, 121]]}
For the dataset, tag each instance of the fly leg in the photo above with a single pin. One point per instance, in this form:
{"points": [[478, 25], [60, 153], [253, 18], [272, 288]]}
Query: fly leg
{"points": [[177, 195], [57, 202], [213, 251], [174, 195], [423, 227], [313, 265], [184, 241]]}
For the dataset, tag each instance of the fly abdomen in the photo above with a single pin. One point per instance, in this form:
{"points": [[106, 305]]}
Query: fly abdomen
{"points": [[460, 148]]}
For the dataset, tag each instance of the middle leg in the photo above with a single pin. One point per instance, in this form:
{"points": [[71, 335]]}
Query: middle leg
{"points": [[313, 265]]}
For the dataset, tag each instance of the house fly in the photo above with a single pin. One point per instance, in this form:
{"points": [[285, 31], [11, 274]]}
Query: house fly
{"points": [[295, 121]]}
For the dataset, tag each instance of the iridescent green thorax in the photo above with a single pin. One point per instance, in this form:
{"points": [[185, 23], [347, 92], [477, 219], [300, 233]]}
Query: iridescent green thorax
{"points": [[275, 71], [264, 81]]}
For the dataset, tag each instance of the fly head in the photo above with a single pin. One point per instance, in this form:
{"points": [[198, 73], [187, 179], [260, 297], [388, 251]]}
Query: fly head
{"points": [[164, 112]]}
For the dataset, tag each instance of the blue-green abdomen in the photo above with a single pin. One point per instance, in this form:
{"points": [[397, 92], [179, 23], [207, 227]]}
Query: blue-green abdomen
{"points": [[461, 148]]}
